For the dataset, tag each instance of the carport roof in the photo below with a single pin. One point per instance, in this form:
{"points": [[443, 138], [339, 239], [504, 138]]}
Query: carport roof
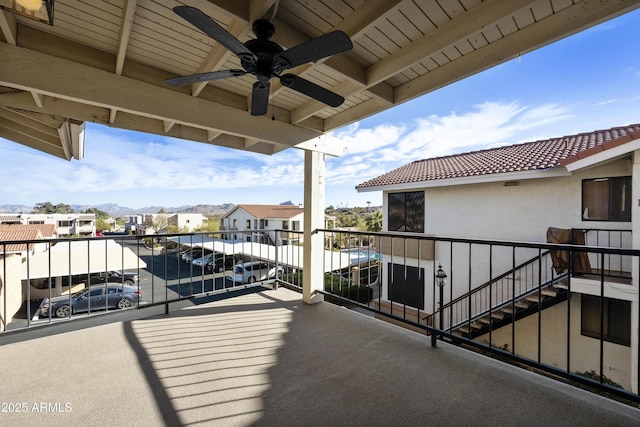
{"points": [[288, 255], [80, 257]]}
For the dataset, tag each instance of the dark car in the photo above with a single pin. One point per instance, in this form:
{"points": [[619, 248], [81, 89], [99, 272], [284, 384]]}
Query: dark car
{"points": [[221, 263], [115, 276], [102, 277], [98, 297]]}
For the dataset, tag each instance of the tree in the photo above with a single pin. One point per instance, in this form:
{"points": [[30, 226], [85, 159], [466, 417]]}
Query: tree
{"points": [[98, 213], [48, 208], [374, 221], [160, 223]]}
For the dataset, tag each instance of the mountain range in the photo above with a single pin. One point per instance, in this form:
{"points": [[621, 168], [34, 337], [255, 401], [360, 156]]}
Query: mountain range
{"points": [[117, 210]]}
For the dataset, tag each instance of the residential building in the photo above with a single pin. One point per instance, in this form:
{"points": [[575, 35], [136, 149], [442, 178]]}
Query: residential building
{"points": [[258, 223], [147, 223], [586, 184], [12, 258], [71, 224]]}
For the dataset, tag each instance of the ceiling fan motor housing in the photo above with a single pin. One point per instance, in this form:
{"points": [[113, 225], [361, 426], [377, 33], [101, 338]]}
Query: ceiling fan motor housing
{"points": [[264, 49]]}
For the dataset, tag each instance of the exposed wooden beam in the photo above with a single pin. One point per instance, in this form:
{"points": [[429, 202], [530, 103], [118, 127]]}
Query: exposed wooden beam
{"points": [[23, 69], [8, 27], [125, 33], [555, 27], [32, 142], [354, 25], [127, 121]]}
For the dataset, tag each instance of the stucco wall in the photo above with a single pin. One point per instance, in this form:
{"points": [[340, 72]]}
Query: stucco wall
{"points": [[493, 211], [521, 212], [10, 287], [585, 351]]}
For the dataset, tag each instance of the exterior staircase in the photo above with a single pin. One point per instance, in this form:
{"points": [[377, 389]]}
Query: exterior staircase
{"points": [[511, 311], [481, 310]]}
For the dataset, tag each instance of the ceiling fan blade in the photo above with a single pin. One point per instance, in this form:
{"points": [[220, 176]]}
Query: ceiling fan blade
{"points": [[211, 28], [311, 89], [260, 98], [326, 45], [204, 77]]}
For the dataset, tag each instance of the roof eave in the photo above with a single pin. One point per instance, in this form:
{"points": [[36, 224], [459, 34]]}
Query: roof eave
{"points": [[467, 180], [603, 156]]}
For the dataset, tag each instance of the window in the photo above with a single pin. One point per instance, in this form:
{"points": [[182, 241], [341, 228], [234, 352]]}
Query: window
{"points": [[406, 212], [607, 199], [65, 223], [36, 222], [295, 225], [406, 285], [248, 224], [617, 319], [285, 225]]}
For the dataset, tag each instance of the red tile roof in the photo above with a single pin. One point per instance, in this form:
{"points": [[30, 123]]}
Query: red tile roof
{"points": [[272, 211], [538, 155], [47, 230], [18, 234]]}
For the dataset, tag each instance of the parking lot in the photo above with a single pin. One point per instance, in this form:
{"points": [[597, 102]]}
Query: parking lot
{"points": [[165, 278]]}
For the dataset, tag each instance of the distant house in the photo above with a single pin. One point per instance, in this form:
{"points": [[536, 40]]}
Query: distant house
{"points": [[145, 223], [257, 223], [585, 182], [71, 224]]}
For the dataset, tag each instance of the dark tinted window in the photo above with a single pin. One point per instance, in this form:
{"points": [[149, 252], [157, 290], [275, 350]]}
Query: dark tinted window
{"points": [[406, 211], [406, 285], [616, 319]]}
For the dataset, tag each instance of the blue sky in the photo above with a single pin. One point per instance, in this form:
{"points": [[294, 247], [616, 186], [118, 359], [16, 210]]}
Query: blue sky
{"points": [[583, 83]]}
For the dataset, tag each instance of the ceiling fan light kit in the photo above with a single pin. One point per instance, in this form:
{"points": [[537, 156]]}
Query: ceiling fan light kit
{"points": [[265, 59]]}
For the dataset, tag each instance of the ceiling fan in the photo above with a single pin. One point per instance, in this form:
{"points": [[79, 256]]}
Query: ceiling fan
{"points": [[265, 59]]}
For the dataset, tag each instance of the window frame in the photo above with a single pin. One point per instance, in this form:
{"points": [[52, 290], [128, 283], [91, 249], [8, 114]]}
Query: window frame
{"points": [[406, 285], [400, 217], [616, 186], [617, 312]]}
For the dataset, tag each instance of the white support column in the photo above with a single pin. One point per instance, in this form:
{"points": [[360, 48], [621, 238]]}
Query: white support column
{"points": [[635, 267], [313, 273]]}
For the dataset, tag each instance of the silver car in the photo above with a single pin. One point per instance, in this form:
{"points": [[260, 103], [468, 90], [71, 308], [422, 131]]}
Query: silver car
{"points": [[97, 297]]}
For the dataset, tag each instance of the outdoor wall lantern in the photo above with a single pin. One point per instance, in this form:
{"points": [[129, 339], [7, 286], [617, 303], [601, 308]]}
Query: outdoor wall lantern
{"points": [[441, 280], [40, 10]]}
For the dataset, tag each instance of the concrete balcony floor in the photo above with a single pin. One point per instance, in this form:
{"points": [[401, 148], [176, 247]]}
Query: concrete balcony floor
{"points": [[266, 358]]}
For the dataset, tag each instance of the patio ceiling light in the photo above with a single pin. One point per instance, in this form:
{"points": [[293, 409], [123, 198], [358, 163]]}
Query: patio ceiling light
{"points": [[39, 10]]}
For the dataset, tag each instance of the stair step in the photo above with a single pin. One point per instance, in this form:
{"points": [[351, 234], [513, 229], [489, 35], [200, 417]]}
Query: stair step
{"points": [[485, 320], [509, 309], [550, 292], [474, 325], [535, 298], [522, 304], [463, 329], [497, 315]]}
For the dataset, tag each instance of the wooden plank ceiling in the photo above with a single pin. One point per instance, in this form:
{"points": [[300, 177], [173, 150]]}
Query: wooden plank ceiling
{"points": [[106, 61]]}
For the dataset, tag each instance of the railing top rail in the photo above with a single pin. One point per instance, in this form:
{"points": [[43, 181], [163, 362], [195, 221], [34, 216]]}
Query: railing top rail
{"points": [[504, 243]]}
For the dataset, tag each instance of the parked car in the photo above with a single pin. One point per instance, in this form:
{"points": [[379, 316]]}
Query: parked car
{"points": [[254, 271], [203, 261], [97, 297], [115, 276], [221, 263], [102, 277], [191, 255]]}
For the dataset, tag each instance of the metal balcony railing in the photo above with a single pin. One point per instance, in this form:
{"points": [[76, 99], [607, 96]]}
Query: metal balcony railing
{"points": [[569, 310]]}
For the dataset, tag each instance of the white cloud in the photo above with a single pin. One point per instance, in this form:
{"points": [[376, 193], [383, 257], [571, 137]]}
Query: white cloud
{"points": [[386, 147]]}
